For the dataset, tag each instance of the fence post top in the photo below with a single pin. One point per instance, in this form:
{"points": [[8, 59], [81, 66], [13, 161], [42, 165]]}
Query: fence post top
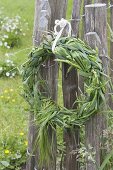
{"points": [[96, 5]]}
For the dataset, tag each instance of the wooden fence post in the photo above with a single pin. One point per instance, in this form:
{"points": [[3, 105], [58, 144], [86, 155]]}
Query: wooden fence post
{"points": [[71, 136], [70, 91], [101, 1], [76, 17], [81, 78], [96, 21], [41, 25], [87, 2], [93, 126], [58, 10], [111, 47], [46, 12]]}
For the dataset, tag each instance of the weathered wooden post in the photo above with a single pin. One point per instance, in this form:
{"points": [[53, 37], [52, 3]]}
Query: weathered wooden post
{"points": [[96, 35], [111, 47], [41, 25], [46, 12], [71, 136], [87, 2], [81, 79], [101, 1], [76, 17], [70, 91]]}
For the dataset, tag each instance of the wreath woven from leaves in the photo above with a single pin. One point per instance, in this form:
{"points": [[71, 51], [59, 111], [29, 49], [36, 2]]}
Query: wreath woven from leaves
{"points": [[48, 114]]}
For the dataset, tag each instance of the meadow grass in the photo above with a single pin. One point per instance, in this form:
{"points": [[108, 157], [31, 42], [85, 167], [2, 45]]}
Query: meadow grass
{"points": [[12, 112], [13, 108]]}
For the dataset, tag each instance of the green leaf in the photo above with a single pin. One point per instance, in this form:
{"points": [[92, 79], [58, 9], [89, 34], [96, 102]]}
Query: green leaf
{"points": [[105, 162], [5, 163]]}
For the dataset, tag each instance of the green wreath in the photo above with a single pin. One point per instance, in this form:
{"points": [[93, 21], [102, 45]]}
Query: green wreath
{"points": [[48, 114]]}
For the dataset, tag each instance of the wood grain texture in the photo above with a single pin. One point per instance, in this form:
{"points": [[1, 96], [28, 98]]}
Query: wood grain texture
{"points": [[42, 20], [111, 47], [71, 136], [101, 1], [76, 17], [81, 79], [58, 10], [30, 163], [94, 125], [87, 2], [41, 24], [70, 92], [96, 22], [46, 12]]}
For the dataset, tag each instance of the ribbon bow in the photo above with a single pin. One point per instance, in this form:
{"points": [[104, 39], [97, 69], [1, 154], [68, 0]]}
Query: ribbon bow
{"points": [[62, 24]]}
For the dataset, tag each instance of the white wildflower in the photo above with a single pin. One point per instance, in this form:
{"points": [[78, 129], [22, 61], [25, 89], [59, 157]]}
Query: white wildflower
{"points": [[5, 36], [1, 69], [5, 44], [13, 74], [8, 61], [7, 54], [8, 47], [7, 74]]}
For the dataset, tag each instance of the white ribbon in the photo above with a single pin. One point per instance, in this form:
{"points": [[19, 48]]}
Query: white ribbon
{"points": [[62, 24]]}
